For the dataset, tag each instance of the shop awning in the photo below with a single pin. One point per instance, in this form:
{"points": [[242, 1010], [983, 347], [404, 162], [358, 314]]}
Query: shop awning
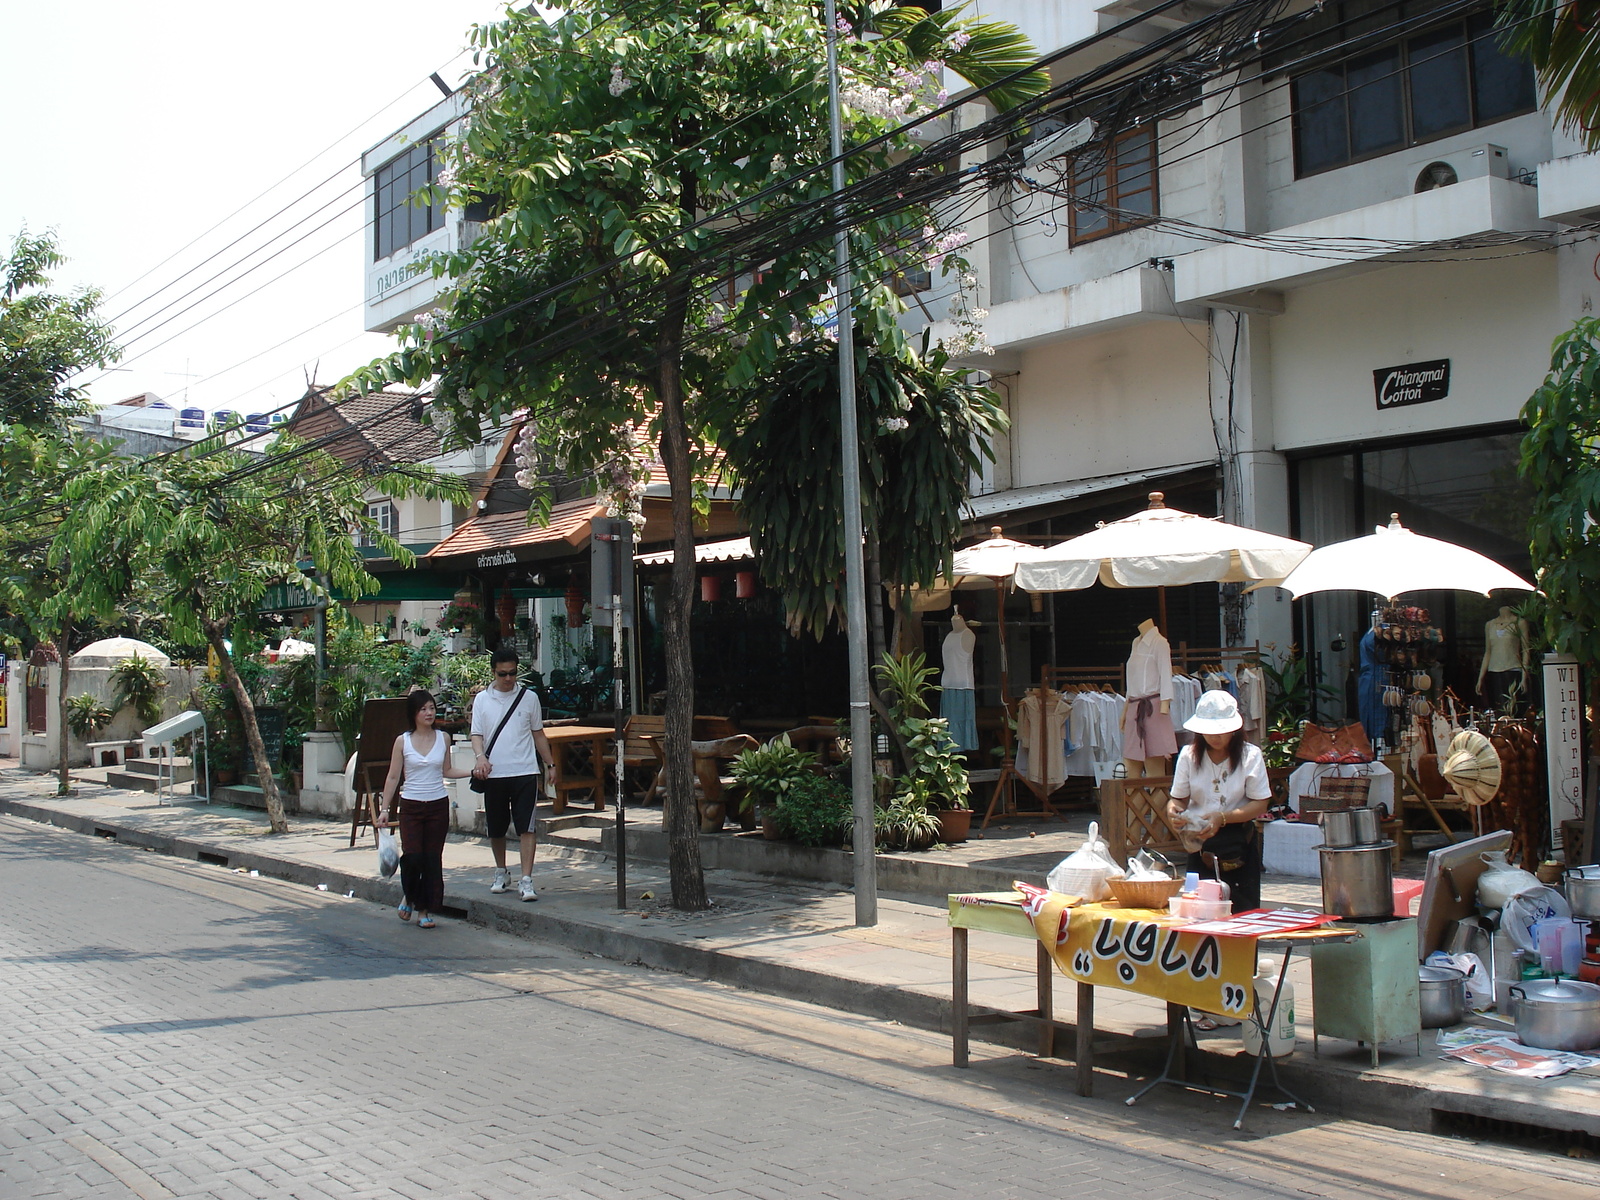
{"points": [[732, 550], [504, 539], [1016, 500]]}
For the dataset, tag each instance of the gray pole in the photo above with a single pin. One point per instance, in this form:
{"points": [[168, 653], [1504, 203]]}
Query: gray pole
{"points": [[863, 841]]}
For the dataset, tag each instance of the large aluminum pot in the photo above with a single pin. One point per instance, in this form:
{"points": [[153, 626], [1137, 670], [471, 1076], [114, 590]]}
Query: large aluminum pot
{"points": [[1443, 994], [1343, 827], [1557, 1014], [1583, 892], [1358, 881]]}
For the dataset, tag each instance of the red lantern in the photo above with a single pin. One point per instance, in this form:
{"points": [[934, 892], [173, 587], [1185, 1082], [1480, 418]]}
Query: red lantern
{"points": [[710, 589], [744, 584], [574, 605]]}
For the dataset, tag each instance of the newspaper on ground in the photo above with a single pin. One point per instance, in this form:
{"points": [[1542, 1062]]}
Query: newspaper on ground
{"points": [[1493, 1049]]}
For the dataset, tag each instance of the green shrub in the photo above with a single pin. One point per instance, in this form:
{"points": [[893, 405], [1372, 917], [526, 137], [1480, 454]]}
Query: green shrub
{"points": [[139, 684], [86, 716], [767, 772], [815, 811], [907, 822]]}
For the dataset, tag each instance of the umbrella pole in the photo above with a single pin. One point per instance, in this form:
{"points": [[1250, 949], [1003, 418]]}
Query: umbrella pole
{"points": [[1161, 610]]}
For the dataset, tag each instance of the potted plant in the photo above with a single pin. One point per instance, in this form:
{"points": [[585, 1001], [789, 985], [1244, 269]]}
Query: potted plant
{"points": [[907, 821], [935, 769], [766, 773]]}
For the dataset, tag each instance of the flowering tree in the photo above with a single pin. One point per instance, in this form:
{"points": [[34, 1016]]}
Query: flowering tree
{"points": [[635, 271]]}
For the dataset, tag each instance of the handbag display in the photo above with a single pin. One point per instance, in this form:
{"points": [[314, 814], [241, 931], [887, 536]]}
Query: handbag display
{"points": [[1334, 744], [482, 785]]}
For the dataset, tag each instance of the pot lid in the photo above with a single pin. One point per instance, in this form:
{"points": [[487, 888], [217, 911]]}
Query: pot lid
{"points": [[1432, 974], [1560, 991]]}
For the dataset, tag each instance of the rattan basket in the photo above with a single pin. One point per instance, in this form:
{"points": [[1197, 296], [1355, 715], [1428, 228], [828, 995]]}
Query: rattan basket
{"points": [[1152, 894]]}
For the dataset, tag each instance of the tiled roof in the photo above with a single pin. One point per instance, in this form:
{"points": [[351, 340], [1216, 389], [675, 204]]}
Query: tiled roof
{"points": [[569, 525], [387, 423]]}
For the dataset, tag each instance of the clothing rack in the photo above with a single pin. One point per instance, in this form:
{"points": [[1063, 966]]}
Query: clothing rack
{"points": [[1186, 658]]}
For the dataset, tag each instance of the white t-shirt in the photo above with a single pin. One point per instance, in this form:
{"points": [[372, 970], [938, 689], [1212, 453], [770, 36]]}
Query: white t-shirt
{"points": [[514, 752], [1212, 788], [424, 777]]}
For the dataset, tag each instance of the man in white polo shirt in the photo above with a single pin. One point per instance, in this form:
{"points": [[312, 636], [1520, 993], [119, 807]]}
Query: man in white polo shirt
{"points": [[511, 775]]}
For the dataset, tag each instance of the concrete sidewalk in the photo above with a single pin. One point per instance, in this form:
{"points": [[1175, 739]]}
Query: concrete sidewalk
{"points": [[798, 939]]}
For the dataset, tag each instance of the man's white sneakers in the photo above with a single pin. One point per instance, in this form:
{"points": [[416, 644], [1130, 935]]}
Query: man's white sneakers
{"points": [[500, 879], [525, 888]]}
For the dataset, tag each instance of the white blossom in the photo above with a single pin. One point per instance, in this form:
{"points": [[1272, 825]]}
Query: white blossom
{"points": [[619, 81]]}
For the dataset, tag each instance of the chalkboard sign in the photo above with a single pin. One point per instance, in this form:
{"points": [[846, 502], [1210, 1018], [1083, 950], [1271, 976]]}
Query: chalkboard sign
{"points": [[272, 722]]}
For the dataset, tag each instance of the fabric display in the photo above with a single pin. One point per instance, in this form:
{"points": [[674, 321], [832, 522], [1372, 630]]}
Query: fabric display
{"points": [[1185, 696], [1253, 702], [1080, 729]]}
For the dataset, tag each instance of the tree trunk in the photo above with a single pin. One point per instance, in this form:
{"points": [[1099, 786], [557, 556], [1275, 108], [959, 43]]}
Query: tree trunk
{"points": [[63, 734], [681, 817], [252, 731]]}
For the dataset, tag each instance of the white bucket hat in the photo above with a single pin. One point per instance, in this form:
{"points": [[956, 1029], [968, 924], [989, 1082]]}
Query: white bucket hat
{"points": [[1217, 712]]}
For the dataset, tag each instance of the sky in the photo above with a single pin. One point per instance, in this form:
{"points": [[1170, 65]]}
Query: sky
{"points": [[132, 130]]}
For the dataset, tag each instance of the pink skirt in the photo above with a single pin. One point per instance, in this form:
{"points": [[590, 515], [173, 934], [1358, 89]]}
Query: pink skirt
{"points": [[1147, 731]]}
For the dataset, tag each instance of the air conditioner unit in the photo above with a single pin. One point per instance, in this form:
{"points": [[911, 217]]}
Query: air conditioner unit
{"points": [[1470, 162]]}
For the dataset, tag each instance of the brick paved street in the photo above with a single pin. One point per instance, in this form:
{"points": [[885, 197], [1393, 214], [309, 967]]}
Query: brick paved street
{"points": [[175, 1029]]}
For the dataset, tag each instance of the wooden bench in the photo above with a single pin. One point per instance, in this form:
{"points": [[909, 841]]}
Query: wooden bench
{"points": [[639, 758]]}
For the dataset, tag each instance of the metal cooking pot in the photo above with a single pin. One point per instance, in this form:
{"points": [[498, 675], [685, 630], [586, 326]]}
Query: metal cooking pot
{"points": [[1351, 827], [1557, 1014], [1583, 892], [1358, 881], [1443, 992]]}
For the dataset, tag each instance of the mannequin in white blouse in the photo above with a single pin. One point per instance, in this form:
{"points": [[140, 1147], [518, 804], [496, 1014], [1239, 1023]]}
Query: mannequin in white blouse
{"points": [[1149, 673]]}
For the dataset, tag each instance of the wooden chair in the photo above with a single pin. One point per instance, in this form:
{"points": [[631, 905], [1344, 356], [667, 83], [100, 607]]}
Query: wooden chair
{"points": [[821, 740], [639, 758]]}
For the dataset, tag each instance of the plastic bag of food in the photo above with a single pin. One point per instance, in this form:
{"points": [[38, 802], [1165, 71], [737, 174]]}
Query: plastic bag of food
{"points": [[388, 852], [1479, 986], [1086, 872]]}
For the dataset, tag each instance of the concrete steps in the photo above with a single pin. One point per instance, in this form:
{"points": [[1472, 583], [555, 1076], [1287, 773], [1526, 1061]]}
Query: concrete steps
{"points": [[140, 774]]}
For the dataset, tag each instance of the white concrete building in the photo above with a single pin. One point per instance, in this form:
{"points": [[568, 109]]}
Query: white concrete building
{"points": [[1374, 188]]}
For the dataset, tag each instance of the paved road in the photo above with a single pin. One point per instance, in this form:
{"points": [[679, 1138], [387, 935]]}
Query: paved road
{"points": [[174, 1029]]}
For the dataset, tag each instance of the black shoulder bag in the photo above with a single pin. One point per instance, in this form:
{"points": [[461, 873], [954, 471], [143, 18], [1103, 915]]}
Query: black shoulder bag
{"points": [[482, 785]]}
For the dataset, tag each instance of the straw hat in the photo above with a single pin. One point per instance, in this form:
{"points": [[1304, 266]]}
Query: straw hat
{"points": [[1218, 712], [1472, 767]]}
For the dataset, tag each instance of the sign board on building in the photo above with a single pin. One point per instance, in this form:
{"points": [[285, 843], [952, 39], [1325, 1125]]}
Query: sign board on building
{"points": [[1563, 739], [1411, 383]]}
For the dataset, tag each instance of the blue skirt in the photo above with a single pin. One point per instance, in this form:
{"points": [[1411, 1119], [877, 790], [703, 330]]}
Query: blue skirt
{"points": [[959, 706]]}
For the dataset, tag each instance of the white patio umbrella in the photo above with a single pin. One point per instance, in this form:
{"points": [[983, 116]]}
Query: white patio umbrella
{"points": [[992, 563], [1394, 560], [295, 648], [1161, 547], [108, 652]]}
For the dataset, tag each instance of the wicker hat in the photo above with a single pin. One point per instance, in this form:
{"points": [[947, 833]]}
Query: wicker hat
{"points": [[1472, 767], [1217, 712]]}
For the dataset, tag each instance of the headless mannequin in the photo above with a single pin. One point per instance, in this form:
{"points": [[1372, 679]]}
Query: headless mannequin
{"points": [[957, 703], [958, 647], [1139, 768], [1505, 657]]}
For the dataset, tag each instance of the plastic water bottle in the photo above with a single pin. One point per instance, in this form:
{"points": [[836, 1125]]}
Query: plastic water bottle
{"points": [[1280, 1038]]}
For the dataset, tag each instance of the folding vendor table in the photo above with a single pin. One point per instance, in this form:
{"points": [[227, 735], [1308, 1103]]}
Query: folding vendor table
{"points": [[1091, 946]]}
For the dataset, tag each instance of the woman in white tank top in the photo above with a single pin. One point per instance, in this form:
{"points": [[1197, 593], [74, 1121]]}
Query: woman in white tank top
{"points": [[417, 771]]}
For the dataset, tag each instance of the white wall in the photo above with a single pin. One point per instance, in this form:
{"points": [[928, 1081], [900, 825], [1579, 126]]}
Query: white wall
{"points": [[1122, 401], [1494, 321], [39, 750]]}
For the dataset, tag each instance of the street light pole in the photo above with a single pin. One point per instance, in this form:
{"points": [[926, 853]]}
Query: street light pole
{"points": [[863, 841]]}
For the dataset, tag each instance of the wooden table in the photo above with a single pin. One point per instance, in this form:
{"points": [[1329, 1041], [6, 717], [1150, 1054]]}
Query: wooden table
{"points": [[580, 752], [994, 915]]}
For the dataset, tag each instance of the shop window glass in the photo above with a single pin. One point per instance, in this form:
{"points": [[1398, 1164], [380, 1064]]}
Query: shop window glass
{"points": [[1440, 100], [1380, 98], [399, 218], [1502, 86], [1122, 177]]}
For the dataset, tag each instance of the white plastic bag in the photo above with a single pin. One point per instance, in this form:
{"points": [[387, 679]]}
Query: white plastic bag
{"points": [[1086, 871], [1479, 987], [1526, 909], [388, 852]]}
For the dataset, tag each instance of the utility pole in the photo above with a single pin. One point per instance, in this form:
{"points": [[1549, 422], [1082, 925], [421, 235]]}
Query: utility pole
{"points": [[863, 842]]}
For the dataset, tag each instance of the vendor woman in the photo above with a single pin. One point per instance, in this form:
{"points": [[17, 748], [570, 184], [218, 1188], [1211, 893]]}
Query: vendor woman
{"points": [[1219, 789]]}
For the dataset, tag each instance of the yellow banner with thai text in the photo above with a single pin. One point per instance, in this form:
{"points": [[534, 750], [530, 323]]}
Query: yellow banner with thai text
{"points": [[1149, 953]]}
